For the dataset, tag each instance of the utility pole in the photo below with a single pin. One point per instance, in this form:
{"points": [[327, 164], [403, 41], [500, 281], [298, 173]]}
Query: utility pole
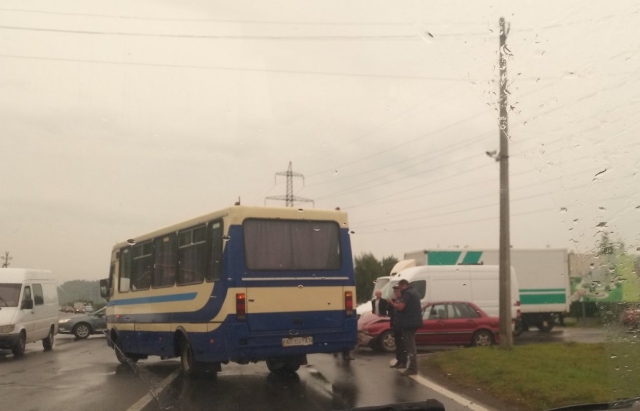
{"points": [[506, 334], [289, 198], [6, 259]]}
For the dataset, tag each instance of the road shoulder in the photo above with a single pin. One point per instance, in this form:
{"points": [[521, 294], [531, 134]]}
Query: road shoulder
{"points": [[473, 393]]}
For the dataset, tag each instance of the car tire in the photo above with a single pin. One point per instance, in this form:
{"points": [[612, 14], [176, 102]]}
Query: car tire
{"points": [[482, 338], [18, 349], [47, 343], [518, 329], [82, 330], [387, 342], [546, 324]]}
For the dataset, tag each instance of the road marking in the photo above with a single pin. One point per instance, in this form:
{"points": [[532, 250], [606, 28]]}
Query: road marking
{"points": [[142, 402], [449, 394]]}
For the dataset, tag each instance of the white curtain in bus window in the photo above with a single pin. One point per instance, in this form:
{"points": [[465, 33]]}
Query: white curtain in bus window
{"points": [[141, 268], [215, 256], [125, 271], [192, 260], [166, 260], [291, 245]]}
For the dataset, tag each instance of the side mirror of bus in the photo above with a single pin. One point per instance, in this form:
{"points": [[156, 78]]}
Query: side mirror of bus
{"points": [[104, 288]]}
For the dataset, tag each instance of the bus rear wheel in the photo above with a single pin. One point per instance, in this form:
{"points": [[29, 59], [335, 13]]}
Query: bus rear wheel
{"points": [[124, 358], [186, 358], [280, 365]]}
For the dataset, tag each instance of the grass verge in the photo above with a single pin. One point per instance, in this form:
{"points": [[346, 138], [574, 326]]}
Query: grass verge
{"points": [[543, 376]]}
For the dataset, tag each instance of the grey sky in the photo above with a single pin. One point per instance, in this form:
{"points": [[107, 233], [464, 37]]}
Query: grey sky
{"points": [[119, 118]]}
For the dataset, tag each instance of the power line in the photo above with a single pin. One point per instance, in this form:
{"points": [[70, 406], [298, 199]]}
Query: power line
{"points": [[427, 135], [214, 37], [372, 222], [266, 22], [385, 125], [455, 223], [523, 122], [243, 69]]}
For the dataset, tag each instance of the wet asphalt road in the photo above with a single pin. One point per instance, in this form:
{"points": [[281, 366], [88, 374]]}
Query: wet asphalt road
{"points": [[84, 375]]}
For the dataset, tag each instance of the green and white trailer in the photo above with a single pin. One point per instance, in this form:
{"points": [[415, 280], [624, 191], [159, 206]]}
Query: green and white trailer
{"points": [[543, 278]]}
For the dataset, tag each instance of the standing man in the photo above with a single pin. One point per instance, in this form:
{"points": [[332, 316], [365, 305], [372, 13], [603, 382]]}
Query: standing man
{"points": [[401, 355], [378, 305], [408, 316]]}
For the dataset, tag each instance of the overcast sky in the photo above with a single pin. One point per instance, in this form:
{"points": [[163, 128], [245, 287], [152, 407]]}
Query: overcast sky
{"points": [[118, 118]]}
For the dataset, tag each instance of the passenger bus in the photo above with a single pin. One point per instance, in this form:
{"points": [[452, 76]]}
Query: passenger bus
{"points": [[243, 284]]}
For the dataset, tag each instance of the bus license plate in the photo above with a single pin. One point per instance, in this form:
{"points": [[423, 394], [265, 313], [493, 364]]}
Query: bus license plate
{"points": [[297, 341]]}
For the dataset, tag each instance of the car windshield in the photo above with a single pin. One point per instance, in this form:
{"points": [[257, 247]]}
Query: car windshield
{"points": [[9, 295], [239, 173]]}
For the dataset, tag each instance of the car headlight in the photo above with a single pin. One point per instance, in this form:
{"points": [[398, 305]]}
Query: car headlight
{"points": [[7, 328], [64, 320]]}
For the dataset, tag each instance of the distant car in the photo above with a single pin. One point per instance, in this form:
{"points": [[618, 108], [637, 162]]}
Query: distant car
{"points": [[444, 323], [631, 317], [88, 309], [68, 309], [82, 326]]}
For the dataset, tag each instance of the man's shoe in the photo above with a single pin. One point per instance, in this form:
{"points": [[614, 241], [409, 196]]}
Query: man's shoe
{"points": [[400, 365], [409, 372]]}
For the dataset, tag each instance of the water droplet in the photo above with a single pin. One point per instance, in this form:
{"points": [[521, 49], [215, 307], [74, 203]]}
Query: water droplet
{"points": [[576, 221], [335, 172], [613, 356], [352, 232], [316, 229], [300, 210], [602, 209], [563, 210], [226, 237], [602, 224], [131, 241]]}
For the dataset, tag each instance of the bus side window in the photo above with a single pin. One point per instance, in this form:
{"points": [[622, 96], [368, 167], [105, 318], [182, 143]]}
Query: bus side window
{"points": [[214, 272], [192, 260], [125, 271], [112, 273], [141, 268], [166, 258]]}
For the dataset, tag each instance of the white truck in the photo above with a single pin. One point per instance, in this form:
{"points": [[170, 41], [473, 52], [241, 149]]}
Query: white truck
{"points": [[543, 278]]}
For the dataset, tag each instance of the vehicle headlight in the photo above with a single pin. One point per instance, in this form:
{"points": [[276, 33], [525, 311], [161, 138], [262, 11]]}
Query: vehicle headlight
{"points": [[64, 320], [7, 328]]}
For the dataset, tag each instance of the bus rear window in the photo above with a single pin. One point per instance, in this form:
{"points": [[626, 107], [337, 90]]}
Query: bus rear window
{"points": [[287, 245]]}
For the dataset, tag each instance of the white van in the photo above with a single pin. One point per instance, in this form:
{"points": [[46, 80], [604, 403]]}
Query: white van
{"points": [[28, 308], [478, 284], [366, 307]]}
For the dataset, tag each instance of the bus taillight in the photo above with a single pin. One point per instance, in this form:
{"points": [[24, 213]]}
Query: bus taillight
{"points": [[348, 302], [241, 306], [519, 314]]}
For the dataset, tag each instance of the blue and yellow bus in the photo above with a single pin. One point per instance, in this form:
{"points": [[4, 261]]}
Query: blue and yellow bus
{"points": [[243, 284]]}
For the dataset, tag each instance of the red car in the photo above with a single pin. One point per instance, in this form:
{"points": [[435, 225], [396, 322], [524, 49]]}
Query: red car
{"points": [[444, 323]]}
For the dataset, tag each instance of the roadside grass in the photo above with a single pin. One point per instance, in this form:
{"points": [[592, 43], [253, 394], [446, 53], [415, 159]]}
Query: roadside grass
{"points": [[543, 376]]}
